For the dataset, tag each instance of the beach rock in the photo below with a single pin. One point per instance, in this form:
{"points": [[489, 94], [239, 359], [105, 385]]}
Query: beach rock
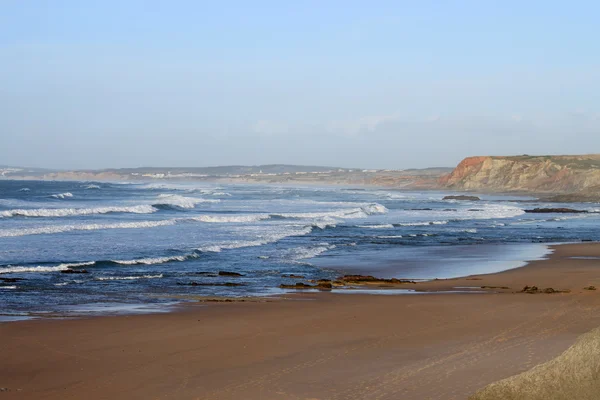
{"points": [[74, 271], [228, 273], [11, 280], [292, 276], [298, 285], [590, 288], [208, 274], [535, 290], [324, 284], [369, 279], [194, 283], [495, 287], [462, 197], [560, 210]]}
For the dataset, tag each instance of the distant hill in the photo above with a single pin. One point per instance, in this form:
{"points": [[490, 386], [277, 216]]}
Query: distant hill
{"points": [[572, 175], [272, 173]]}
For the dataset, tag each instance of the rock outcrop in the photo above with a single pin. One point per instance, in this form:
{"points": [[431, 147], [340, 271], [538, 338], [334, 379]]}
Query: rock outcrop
{"points": [[539, 174]]}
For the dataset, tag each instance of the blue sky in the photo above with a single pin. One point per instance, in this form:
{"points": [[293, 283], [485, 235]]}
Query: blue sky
{"points": [[380, 84]]}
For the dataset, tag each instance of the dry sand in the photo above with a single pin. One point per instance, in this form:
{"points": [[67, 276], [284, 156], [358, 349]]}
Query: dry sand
{"points": [[314, 345]]}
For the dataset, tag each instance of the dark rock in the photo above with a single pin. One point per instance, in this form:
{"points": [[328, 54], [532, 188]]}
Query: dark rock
{"points": [[194, 283], [555, 211], [11, 280], [365, 279], [228, 273], [298, 285], [292, 276], [324, 284], [535, 290], [74, 271], [590, 288], [209, 274], [462, 197]]}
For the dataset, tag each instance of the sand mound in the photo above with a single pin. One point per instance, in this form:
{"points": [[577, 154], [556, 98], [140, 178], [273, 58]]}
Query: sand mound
{"points": [[575, 374]]}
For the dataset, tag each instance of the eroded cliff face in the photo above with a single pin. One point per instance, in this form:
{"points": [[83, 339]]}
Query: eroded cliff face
{"points": [[541, 174]]}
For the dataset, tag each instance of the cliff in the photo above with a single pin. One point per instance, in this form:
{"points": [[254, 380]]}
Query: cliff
{"points": [[571, 175]]}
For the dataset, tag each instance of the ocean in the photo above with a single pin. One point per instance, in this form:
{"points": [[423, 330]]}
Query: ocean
{"points": [[146, 246]]}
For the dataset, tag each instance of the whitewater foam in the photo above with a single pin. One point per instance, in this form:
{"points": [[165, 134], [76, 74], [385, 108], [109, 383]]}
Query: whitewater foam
{"points": [[61, 267], [155, 260], [182, 201], [71, 212], [301, 253], [92, 187], [263, 240], [87, 227], [231, 218], [62, 195], [127, 278], [381, 226], [423, 223]]}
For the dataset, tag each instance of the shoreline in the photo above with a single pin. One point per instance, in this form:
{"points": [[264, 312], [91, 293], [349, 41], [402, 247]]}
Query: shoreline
{"points": [[173, 303], [315, 345]]}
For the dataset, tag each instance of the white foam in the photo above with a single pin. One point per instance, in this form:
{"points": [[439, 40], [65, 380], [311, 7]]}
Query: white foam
{"points": [[87, 227], [24, 189], [8, 287], [231, 218], [182, 201], [70, 212], [382, 226], [346, 213], [62, 195], [92, 187], [263, 239], [14, 270], [155, 260], [301, 253], [128, 278], [424, 223], [60, 267]]}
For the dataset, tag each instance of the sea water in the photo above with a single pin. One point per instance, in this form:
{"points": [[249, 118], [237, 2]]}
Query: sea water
{"points": [[150, 243]]}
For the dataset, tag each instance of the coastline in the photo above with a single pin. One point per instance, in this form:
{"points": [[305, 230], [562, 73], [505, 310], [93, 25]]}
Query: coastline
{"points": [[316, 345]]}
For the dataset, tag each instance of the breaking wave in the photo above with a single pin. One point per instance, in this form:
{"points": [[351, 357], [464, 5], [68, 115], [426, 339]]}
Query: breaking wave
{"points": [[155, 260], [231, 218], [424, 223], [61, 267], [174, 200], [263, 240], [70, 212], [62, 195], [127, 278], [382, 226], [87, 227]]}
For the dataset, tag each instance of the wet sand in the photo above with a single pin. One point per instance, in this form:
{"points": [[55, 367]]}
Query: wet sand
{"points": [[314, 345]]}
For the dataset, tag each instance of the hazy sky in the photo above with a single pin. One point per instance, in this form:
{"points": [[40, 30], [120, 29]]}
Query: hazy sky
{"points": [[378, 84]]}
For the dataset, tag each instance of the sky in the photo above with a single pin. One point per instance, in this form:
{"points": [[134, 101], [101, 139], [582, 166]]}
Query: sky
{"points": [[377, 84]]}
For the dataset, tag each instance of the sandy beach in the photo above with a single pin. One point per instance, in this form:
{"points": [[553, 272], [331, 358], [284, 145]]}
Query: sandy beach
{"points": [[315, 345]]}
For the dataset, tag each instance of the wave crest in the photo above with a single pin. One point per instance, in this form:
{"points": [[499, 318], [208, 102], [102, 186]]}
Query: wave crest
{"points": [[70, 212], [62, 195]]}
